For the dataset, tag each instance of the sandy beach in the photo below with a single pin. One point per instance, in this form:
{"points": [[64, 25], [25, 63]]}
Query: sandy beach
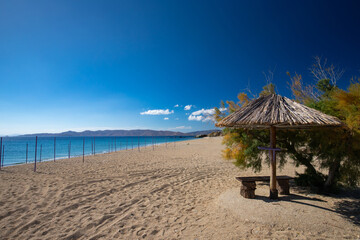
{"points": [[182, 191]]}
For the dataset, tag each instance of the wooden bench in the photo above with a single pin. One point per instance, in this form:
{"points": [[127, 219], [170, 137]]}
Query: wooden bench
{"points": [[248, 185]]}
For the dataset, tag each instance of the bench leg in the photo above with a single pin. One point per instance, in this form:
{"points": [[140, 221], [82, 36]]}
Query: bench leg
{"points": [[247, 189], [283, 187]]}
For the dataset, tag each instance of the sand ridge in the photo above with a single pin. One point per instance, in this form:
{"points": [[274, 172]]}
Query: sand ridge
{"points": [[182, 191]]}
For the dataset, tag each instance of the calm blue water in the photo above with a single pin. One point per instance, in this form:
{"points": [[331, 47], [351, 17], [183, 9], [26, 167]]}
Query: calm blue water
{"points": [[15, 147]]}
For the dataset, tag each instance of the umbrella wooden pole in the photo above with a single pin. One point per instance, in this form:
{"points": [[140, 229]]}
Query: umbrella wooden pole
{"points": [[273, 190]]}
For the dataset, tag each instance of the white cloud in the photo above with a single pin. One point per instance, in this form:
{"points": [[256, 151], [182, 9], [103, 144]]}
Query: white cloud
{"points": [[180, 127], [177, 105], [195, 118], [209, 118], [187, 107], [166, 118], [157, 112], [204, 112], [204, 115]]}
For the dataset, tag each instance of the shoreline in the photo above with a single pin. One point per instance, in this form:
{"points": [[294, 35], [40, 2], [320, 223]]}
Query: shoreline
{"points": [[88, 155]]}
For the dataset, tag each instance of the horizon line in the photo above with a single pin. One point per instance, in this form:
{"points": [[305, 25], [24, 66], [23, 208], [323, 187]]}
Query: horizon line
{"points": [[126, 130]]}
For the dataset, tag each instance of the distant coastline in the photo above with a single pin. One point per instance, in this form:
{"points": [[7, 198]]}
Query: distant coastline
{"points": [[119, 133]]}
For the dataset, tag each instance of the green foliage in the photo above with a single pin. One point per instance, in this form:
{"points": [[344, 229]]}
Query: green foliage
{"points": [[267, 90], [324, 86], [242, 146], [348, 103], [327, 105]]}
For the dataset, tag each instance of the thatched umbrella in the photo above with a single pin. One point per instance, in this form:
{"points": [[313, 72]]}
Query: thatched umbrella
{"points": [[274, 111]]}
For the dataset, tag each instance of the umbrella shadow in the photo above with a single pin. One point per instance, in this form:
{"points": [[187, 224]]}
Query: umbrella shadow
{"points": [[293, 198], [348, 208]]}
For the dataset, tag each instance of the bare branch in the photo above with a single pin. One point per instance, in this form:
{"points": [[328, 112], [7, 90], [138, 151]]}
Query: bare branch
{"points": [[269, 76], [248, 91], [321, 71], [302, 93]]}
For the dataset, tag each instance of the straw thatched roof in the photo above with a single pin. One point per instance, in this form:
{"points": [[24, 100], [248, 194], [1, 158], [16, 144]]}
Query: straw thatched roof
{"points": [[278, 111]]}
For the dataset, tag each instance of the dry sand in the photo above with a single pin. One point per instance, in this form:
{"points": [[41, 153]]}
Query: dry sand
{"points": [[182, 192]]}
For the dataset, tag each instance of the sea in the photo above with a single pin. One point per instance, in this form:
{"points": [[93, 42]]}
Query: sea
{"points": [[20, 150]]}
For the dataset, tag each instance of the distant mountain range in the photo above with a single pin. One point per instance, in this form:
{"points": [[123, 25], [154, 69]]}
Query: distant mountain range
{"points": [[119, 133]]}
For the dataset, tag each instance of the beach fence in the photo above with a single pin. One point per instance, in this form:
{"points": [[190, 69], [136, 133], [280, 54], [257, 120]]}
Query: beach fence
{"points": [[3, 156], [25, 150], [0, 151]]}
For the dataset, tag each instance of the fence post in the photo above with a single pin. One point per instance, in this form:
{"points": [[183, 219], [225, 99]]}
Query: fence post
{"points": [[69, 148], [35, 153], [83, 149], [54, 148], [3, 155], [27, 147], [0, 151]]}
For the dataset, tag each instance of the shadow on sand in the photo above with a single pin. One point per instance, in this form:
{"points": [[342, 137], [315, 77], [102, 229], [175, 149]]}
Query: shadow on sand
{"points": [[348, 206]]}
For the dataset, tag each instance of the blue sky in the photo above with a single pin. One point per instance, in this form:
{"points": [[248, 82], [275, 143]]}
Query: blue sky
{"points": [[76, 65]]}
